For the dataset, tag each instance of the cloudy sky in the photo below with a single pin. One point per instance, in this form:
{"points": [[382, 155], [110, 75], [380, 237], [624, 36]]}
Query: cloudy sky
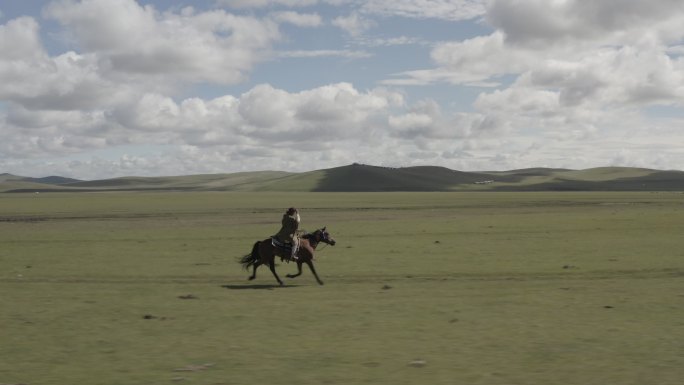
{"points": [[95, 89]]}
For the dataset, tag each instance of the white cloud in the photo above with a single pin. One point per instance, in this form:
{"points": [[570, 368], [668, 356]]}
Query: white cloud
{"points": [[20, 40], [262, 115], [425, 122], [583, 74], [355, 24], [139, 42], [675, 50], [265, 3], [306, 20], [323, 53], [453, 10], [333, 124], [582, 63], [392, 41], [34, 79], [410, 121], [479, 59], [562, 79], [543, 23]]}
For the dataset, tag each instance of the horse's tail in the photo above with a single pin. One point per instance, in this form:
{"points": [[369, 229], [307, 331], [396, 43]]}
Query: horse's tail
{"points": [[251, 258]]}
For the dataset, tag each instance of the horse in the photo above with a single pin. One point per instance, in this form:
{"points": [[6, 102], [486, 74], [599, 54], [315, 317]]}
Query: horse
{"points": [[264, 253]]}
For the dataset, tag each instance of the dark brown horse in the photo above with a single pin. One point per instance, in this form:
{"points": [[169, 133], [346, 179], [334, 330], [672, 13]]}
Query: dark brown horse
{"points": [[264, 253]]}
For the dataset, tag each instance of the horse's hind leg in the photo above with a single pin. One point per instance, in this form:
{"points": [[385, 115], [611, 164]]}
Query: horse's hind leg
{"points": [[299, 271], [256, 264], [311, 266], [271, 265]]}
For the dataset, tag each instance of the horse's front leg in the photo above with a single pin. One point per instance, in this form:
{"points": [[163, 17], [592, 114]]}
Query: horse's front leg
{"points": [[271, 265], [299, 271], [311, 266]]}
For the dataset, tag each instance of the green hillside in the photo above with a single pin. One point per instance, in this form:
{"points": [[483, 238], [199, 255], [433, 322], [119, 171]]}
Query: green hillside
{"points": [[173, 182], [9, 178], [205, 182], [358, 177], [595, 179]]}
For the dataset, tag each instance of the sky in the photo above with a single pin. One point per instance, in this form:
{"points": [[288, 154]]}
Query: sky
{"points": [[95, 89]]}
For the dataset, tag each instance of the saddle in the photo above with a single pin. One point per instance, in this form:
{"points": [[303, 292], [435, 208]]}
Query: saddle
{"points": [[283, 249], [282, 246]]}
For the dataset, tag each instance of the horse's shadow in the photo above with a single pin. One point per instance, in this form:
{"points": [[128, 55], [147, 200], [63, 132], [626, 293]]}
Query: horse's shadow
{"points": [[255, 287]]}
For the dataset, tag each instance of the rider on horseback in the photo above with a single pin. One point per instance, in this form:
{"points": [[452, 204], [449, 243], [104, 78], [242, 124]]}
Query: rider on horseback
{"points": [[288, 231]]}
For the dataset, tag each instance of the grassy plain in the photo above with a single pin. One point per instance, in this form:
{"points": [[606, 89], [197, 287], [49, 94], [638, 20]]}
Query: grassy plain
{"points": [[422, 288]]}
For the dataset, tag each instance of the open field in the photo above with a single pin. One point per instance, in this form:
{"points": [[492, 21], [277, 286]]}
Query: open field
{"points": [[422, 288]]}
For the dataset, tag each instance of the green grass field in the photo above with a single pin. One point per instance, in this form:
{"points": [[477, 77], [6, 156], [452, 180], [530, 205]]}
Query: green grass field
{"points": [[421, 288]]}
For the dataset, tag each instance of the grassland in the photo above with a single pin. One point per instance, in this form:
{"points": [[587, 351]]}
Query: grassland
{"points": [[421, 288]]}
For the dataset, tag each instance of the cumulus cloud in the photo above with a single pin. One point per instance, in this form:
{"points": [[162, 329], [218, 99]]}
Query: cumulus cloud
{"points": [[19, 40], [476, 61], [328, 125], [135, 41], [546, 23], [425, 121], [563, 74], [264, 115], [568, 57], [554, 77], [530, 32], [34, 79]]}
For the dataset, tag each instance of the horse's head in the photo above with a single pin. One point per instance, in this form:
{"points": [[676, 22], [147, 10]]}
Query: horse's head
{"points": [[325, 237]]}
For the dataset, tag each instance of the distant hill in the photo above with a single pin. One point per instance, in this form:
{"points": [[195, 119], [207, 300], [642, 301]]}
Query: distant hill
{"points": [[53, 180], [46, 180], [359, 177], [9, 177]]}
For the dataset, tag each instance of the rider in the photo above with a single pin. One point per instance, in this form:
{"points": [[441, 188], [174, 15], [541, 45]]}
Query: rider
{"points": [[287, 233]]}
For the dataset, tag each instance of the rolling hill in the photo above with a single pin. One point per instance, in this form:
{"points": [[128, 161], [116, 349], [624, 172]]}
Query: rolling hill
{"points": [[358, 177]]}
